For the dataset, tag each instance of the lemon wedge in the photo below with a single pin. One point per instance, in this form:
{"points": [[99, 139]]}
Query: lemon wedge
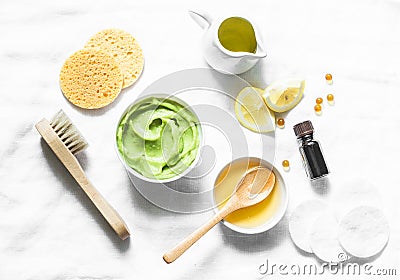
{"points": [[252, 112], [284, 95]]}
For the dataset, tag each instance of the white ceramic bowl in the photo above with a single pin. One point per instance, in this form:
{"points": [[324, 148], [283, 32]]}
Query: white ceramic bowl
{"points": [[278, 215], [154, 180]]}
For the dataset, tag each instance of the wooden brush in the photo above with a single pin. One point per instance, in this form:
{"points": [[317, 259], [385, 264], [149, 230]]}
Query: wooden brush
{"points": [[66, 141]]}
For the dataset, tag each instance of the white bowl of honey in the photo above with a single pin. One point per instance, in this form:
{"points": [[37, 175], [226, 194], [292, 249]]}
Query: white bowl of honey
{"points": [[259, 217]]}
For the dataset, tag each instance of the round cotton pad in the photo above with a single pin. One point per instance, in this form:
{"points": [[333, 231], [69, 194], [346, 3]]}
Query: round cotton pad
{"points": [[302, 220], [356, 192], [324, 239], [364, 232], [124, 48]]}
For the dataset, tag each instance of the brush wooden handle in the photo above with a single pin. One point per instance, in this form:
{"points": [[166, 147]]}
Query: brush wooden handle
{"points": [[185, 244], [73, 166]]}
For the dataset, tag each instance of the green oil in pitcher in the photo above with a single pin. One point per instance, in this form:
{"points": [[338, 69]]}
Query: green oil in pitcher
{"points": [[236, 34]]}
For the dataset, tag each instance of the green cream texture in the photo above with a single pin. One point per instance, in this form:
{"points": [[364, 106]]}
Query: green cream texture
{"points": [[159, 138]]}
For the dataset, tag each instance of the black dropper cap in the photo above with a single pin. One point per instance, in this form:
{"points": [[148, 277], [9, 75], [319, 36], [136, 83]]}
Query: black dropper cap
{"points": [[304, 128]]}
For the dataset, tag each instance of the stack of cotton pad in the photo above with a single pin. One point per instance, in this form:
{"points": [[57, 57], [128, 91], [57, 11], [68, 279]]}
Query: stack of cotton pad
{"points": [[356, 227]]}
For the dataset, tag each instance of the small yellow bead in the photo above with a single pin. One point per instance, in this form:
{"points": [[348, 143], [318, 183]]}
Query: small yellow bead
{"points": [[318, 109], [281, 123], [319, 100], [286, 165], [330, 97]]}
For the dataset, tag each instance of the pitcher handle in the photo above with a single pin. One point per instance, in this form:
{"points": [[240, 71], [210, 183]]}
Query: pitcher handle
{"points": [[201, 18]]}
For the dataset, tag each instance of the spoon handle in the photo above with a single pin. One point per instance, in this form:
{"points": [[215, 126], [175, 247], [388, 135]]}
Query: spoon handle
{"points": [[185, 244]]}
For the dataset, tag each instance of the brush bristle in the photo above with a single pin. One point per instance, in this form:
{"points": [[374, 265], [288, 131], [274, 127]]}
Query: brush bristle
{"points": [[68, 133]]}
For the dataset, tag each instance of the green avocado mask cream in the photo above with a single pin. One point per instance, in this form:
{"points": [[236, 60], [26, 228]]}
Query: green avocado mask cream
{"points": [[158, 138]]}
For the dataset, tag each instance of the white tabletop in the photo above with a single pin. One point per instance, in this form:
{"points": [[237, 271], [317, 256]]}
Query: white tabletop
{"points": [[50, 230]]}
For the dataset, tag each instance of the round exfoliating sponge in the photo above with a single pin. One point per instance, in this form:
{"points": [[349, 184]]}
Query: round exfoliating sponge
{"points": [[124, 48], [91, 79]]}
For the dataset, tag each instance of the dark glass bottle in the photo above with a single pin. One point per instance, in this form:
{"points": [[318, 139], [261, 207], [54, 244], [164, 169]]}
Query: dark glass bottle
{"points": [[310, 151]]}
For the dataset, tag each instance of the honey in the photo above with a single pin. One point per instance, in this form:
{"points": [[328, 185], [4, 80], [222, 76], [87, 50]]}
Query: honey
{"points": [[249, 217]]}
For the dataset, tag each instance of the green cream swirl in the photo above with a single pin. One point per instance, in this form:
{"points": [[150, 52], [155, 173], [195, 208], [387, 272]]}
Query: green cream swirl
{"points": [[159, 138]]}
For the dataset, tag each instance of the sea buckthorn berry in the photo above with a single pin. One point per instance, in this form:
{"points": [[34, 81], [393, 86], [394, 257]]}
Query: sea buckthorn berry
{"points": [[330, 97], [281, 123], [319, 100]]}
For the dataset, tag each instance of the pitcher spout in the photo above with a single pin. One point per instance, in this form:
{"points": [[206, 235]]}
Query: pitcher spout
{"points": [[202, 18], [260, 53], [257, 55]]}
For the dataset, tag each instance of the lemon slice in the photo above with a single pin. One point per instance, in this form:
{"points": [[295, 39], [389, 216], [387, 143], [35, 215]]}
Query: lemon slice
{"points": [[284, 95], [252, 112]]}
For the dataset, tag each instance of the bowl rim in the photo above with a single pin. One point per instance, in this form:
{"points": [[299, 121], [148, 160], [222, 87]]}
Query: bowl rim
{"points": [[164, 96], [275, 219]]}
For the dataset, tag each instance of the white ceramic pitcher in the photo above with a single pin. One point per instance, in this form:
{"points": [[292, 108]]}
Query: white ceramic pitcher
{"points": [[219, 57]]}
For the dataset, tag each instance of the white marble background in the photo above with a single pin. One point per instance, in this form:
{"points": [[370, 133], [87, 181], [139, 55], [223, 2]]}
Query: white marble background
{"points": [[48, 228]]}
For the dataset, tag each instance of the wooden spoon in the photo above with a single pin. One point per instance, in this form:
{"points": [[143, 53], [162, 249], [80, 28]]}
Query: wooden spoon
{"points": [[255, 186]]}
